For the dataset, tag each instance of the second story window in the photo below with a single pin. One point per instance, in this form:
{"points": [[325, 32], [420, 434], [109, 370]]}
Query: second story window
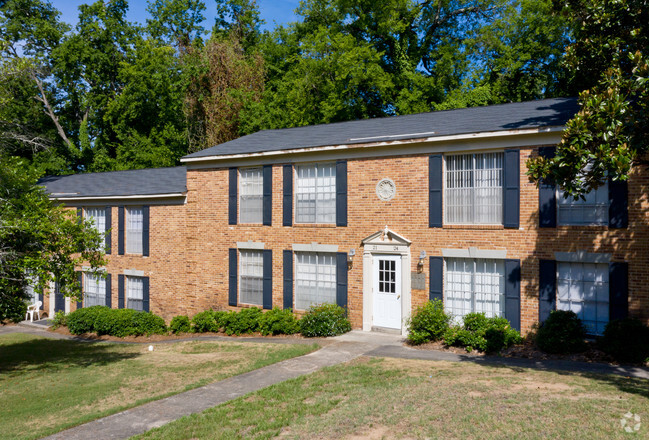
{"points": [[98, 217], [134, 226], [315, 194], [251, 186], [592, 210], [474, 189]]}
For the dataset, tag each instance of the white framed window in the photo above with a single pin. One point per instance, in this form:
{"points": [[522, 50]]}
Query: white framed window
{"points": [[134, 227], [30, 287], [592, 210], [134, 293], [584, 289], [251, 195], [251, 277], [315, 193], [474, 285], [315, 279], [94, 290], [98, 217], [474, 189]]}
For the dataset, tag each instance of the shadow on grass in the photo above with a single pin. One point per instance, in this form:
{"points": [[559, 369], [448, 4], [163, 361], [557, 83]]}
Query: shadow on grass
{"points": [[49, 354]]}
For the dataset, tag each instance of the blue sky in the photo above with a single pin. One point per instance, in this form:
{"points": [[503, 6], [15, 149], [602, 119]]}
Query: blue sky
{"points": [[272, 11]]}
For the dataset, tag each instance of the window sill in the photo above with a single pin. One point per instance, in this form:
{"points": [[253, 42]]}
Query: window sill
{"points": [[313, 225], [473, 227], [586, 227]]}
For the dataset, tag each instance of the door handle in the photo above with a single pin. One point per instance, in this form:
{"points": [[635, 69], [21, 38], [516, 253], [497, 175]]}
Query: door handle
{"points": [[398, 296]]}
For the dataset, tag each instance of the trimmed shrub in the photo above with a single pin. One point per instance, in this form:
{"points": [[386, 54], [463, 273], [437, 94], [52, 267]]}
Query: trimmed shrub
{"points": [[627, 340], [83, 320], [205, 322], [324, 320], [481, 333], [278, 322], [562, 332], [429, 322], [246, 321], [114, 322], [12, 308], [179, 324]]}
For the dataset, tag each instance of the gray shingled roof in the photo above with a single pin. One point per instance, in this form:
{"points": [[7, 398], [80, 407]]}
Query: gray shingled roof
{"points": [[118, 183], [533, 114]]}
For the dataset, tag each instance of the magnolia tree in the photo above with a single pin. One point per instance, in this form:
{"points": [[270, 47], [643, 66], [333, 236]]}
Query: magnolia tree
{"points": [[39, 241]]}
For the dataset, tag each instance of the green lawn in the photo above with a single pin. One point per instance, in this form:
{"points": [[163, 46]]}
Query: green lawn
{"points": [[47, 385], [396, 398]]}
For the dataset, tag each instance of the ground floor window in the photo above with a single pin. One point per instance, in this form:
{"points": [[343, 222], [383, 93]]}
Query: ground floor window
{"points": [[583, 288], [251, 277], [134, 293], [30, 288], [315, 279], [474, 285], [94, 290]]}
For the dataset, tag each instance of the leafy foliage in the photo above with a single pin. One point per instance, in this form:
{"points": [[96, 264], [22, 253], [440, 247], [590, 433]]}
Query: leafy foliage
{"points": [[114, 322], [60, 319], [428, 323], [180, 324], [627, 340], [562, 332], [245, 321], [207, 321], [278, 322], [38, 240], [324, 320], [12, 308], [482, 333]]}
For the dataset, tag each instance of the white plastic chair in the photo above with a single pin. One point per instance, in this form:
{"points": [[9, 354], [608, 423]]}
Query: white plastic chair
{"points": [[34, 308]]}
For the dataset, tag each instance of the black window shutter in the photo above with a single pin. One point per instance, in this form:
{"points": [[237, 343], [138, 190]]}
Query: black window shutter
{"points": [[80, 281], [512, 188], [341, 193], [145, 231], [268, 195], [618, 212], [267, 299], [40, 295], [287, 202], [547, 195], [435, 191], [547, 288], [341, 279], [120, 230], [288, 279], [232, 198], [145, 294], [109, 291], [513, 293], [436, 284], [618, 282], [232, 292], [109, 222], [120, 291]]}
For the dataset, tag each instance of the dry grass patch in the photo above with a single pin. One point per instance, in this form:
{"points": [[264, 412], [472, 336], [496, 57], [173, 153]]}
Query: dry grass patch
{"points": [[413, 399], [47, 385]]}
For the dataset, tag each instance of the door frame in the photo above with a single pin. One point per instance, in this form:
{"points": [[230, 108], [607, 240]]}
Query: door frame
{"points": [[385, 242]]}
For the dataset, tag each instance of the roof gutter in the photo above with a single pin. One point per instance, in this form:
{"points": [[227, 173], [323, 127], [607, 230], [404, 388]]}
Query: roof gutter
{"points": [[133, 197], [433, 139]]}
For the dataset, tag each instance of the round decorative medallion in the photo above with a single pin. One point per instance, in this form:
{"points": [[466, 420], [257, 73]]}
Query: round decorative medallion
{"points": [[386, 189]]}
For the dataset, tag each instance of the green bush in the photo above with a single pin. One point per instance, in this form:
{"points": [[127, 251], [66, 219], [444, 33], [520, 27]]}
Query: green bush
{"points": [[83, 320], [12, 308], [114, 322], [246, 321], [562, 332], [429, 322], [205, 322], [59, 320], [481, 333], [278, 322], [324, 320], [627, 340], [179, 324]]}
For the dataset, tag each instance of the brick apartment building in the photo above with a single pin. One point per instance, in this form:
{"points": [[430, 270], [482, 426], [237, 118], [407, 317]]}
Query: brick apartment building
{"points": [[376, 215]]}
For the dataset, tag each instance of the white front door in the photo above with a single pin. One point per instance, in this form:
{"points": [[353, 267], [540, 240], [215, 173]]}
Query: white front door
{"points": [[387, 291]]}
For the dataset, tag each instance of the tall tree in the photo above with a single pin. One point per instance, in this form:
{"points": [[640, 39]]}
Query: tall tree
{"points": [[610, 58]]}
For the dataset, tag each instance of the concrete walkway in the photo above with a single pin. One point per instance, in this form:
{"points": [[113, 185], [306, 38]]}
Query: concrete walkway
{"points": [[337, 350]]}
